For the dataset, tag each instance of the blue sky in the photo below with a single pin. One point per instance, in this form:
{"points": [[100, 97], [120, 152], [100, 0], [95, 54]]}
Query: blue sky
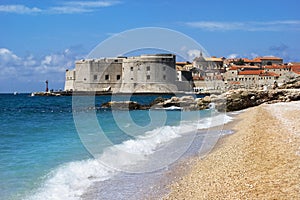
{"points": [[40, 39]]}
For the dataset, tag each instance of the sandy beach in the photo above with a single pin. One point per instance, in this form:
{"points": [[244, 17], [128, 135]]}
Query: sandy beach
{"points": [[261, 160]]}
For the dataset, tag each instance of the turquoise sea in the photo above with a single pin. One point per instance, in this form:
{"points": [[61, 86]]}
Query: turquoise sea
{"points": [[49, 150]]}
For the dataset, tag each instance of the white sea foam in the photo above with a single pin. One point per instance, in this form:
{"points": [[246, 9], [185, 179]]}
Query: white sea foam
{"points": [[173, 108], [214, 121], [71, 180]]}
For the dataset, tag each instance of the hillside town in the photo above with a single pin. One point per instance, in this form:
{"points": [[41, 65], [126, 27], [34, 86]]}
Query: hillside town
{"points": [[160, 73], [212, 73]]}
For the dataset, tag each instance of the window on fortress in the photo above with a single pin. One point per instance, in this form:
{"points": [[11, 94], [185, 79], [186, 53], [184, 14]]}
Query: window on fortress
{"points": [[148, 77], [148, 68], [164, 77], [95, 77], [118, 77], [131, 68], [106, 77], [164, 68]]}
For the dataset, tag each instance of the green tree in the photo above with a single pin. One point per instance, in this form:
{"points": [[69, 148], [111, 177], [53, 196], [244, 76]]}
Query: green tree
{"points": [[239, 62]]}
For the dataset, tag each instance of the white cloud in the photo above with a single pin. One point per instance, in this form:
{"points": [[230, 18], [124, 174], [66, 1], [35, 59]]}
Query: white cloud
{"points": [[7, 56], [233, 55], [212, 26], [93, 4], [19, 9], [72, 7], [246, 26], [253, 55], [30, 67], [193, 53], [68, 10], [47, 60]]}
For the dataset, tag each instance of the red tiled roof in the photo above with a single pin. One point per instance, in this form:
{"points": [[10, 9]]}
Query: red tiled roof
{"points": [[236, 67], [246, 60], [197, 78], [258, 72], [269, 58], [256, 60], [182, 63], [251, 72], [269, 74], [295, 69], [234, 82], [276, 67]]}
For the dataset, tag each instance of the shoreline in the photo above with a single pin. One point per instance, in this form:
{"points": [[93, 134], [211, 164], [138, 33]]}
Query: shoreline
{"points": [[261, 160]]}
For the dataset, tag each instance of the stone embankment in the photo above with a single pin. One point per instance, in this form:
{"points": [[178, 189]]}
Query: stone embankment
{"points": [[232, 100], [241, 99], [229, 101]]}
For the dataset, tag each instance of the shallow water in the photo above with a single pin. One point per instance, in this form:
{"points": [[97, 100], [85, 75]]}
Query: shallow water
{"points": [[43, 156]]}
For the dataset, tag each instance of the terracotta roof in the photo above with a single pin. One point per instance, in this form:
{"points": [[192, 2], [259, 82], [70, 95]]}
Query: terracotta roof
{"points": [[296, 69], [182, 63], [198, 78], [276, 67], [269, 58], [258, 72], [251, 72], [234, 82], [269, 74], [295, 63], [236, 67], [246, 60]]}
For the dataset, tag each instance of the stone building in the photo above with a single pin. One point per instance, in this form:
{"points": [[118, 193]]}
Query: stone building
{"points": [[95, 75], [282, 70], [140, 74], [149, 73], [206, 63], [243, 77], [270, 60]]}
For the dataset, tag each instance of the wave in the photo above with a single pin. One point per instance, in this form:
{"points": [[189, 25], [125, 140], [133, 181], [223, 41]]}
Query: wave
{"points": [[71, 180]]}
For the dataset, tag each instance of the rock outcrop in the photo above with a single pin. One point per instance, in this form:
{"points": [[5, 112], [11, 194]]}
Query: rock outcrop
{"points": [[291, 84], [230, 101], [124, 105], [241, 99]]}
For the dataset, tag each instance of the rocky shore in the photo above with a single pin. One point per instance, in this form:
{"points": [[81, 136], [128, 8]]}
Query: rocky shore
{"points": [[232, 100]]}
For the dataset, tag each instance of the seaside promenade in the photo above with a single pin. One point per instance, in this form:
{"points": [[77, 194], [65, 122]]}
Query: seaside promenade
{"points": [[260, 161]]}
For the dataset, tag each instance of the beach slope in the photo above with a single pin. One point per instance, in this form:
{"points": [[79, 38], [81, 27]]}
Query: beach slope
{"points": [[260, 161]]}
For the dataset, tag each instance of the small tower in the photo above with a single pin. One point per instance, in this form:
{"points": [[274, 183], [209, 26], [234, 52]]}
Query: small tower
{"points": [[47, 89]]}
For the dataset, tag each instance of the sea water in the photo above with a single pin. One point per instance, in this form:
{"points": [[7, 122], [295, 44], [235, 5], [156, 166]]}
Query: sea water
{"points": [[46, 153]]}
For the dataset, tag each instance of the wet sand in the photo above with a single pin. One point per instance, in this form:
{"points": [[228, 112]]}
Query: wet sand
{"points": [[260, 161]]}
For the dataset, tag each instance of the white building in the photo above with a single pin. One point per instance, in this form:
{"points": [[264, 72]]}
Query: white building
{"points": [[140, 74]]}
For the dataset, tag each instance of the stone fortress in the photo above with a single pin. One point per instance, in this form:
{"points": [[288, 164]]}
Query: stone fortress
{"points": [[139, 74], [160, 73]]}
